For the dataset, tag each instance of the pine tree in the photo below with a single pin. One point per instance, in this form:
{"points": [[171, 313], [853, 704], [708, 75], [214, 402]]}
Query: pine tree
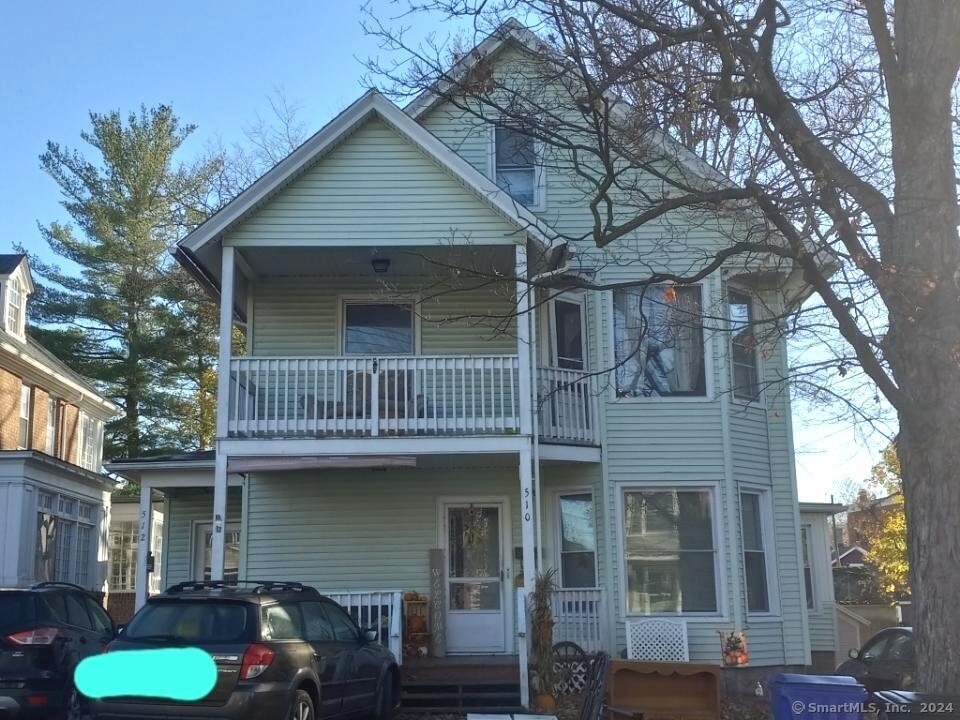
{"points": [[118, 320]]}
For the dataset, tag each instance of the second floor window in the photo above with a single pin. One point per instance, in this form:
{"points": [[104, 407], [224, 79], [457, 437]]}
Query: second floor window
{"points": [[658, 341], [743, 346], [23, 436], [52, 408], [378, 328], [515, 156], [91, 438], [15, 307]]}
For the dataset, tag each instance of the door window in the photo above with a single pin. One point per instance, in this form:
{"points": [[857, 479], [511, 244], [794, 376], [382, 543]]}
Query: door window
{"points": [[77, 613], [568, 334], [344, 629], [101, 621], [378, 328], [578, 541], [231, 551], [316, 625], [474, 562]]}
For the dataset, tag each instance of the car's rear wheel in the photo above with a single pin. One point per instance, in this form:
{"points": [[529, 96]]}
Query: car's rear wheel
{"points": [[75, 709], [302, 706]]}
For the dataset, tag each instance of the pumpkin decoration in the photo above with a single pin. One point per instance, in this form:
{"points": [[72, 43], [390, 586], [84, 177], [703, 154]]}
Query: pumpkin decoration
{"points": [[416, 624], [733, 646]]}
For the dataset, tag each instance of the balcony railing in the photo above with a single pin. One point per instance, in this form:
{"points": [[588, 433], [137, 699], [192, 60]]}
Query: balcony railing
{"points": [[568, 406], [580, 616], [369, 396]]}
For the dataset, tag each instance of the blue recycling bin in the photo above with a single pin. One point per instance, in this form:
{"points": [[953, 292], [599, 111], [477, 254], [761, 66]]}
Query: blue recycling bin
{"points": [[816, 697]]}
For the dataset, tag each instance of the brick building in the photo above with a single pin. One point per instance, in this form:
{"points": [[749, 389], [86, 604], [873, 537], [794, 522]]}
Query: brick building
{"points": [[54, 495]]}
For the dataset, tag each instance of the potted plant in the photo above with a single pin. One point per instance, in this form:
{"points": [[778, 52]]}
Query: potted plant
{"points": [[543, 674]]}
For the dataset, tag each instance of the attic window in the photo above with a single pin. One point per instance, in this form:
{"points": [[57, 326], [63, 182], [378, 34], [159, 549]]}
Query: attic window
{"points": [[515, 156], [15, 307]]}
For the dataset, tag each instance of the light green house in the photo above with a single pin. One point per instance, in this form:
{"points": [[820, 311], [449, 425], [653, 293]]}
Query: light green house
{"points": [[407, 393]]}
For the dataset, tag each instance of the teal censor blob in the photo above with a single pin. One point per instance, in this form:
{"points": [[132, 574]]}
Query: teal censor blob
{"points": [[174, 673]]}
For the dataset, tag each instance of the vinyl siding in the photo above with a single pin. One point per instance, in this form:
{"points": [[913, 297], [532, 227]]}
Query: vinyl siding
{"points": [[822, 618], [299, 316], [184, 508], [375, 188]]}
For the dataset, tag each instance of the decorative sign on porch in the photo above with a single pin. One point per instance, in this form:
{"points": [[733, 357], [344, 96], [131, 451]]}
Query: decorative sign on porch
{"points": [[437, 604]]}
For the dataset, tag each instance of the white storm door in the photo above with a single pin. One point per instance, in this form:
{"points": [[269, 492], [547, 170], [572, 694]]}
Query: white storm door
{"points": [[476, 617]]}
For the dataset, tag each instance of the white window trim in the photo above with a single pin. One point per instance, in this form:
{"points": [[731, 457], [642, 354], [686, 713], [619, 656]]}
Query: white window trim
{"points": [[540, 175], [769, 551], [341, 326], [97, 439], [29, 416], [706, 297], [557, 532], [720, 577], [760, 399], [546, 324], [50, 446], [21, 291], [73, 564], [806, 536]]}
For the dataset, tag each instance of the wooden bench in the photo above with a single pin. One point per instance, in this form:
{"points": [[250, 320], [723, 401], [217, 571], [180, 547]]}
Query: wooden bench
{"points": [[663, 691]]}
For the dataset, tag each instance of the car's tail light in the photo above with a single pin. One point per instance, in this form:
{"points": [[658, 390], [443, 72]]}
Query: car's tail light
{"points": [[37, 636], [256, 659]]}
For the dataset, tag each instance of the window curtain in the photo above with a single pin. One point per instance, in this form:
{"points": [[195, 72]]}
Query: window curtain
{"points": [[659, 341]]}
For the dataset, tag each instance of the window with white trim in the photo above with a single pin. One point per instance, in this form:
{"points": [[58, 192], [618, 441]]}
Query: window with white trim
{"points": [[754, 552], [371, 328], [516, 164], [805, 539], [658, 341], [66, 539], [122, 554], [91, 442], [671, 555], [743, 346], [23, 431], [578, 540], [53, 408], [15, 296]]}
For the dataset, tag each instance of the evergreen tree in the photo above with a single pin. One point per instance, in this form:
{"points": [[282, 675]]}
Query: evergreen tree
{"points": [[118, 320]]}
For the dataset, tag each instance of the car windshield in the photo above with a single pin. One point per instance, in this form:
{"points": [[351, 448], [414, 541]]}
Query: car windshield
{"points": [[192, 622], [16, 610]]}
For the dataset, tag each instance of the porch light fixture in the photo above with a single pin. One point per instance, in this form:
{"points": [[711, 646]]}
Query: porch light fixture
{"points": [[380, 265]]}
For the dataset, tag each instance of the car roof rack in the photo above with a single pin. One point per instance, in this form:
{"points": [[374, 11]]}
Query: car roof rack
{"points": [[257, 586], [57, 583]]}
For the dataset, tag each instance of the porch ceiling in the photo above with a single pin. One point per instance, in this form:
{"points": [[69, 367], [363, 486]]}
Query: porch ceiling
{"points": [[356, 261]]}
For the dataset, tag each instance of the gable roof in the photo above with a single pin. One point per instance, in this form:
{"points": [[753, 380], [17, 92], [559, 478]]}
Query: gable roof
{"points": [[311, 151], [10, 261]]}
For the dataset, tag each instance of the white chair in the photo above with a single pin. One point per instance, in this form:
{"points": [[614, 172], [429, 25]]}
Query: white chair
{"points": [[658, 640]]}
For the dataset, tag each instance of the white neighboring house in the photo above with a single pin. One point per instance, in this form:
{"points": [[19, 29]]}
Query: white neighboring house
{"points": [[54, 495], [123, 549]]}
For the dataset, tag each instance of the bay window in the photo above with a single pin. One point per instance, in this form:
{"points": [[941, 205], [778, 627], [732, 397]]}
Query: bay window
{"points": [[578, 541], [754, 552], [658, 341], [743, 346], [671, 555], [66, 539]]}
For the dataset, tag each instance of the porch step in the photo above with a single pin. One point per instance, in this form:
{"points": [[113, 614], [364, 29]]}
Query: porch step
{"points": [[461, 697]]}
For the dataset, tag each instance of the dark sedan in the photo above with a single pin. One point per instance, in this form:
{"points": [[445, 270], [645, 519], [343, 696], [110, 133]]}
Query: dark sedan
{"points": [[282, 650], [885, 662]]}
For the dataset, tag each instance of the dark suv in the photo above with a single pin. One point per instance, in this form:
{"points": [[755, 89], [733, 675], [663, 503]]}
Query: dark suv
{"points": [[282, 651], [44, 632]]}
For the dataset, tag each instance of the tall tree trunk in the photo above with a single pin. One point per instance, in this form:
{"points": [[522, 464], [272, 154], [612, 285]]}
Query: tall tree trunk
{"points": [[922, 258]]}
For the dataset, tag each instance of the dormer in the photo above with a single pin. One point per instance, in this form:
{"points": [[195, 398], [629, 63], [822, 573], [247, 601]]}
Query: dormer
{"points": [[16, 285]]}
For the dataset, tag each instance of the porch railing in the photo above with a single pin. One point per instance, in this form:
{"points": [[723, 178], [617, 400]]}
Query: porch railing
{"points": [[580, 616], [370, 396], [568, 406], [381, 610]]}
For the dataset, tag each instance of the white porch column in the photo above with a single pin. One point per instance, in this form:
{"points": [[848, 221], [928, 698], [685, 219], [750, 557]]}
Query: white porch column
{"points": [[145, 520], [524, 348], [226, 337], [528, 502], [223, 413], [219, 515]]}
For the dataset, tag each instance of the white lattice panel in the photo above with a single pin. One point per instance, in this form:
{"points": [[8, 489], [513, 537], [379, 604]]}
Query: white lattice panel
{"points": [[657, 640]]}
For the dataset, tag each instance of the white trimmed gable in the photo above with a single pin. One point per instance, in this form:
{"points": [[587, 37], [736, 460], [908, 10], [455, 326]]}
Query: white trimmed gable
{"points": [[16, 287]]}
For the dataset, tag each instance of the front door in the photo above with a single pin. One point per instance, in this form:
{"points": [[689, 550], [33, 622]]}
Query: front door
{"points": [[476, 598]]}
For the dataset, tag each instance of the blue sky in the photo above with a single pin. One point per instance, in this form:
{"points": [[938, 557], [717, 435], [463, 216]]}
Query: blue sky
{"points": [[216, 63]]}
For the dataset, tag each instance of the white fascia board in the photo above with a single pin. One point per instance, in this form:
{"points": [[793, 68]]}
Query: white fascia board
{"points": [[331, 134], [62, 385]]}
